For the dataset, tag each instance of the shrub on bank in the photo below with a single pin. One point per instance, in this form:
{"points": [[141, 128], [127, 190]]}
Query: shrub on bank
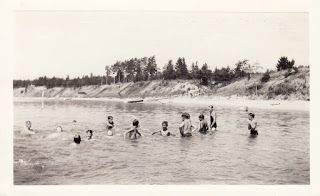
{"points": [[265, 77]]}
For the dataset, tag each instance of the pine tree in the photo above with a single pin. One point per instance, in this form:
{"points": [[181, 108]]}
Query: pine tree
{"points": [[181, 69], [194, 71], [284, 63], [169, 72]]}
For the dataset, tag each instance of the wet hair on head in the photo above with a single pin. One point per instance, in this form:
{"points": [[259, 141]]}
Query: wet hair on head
{"points": [[201, 116], [89, 131], [251, 114], [135, 123], [109, 117], [184, 115], [77, 139], [165, 122]]}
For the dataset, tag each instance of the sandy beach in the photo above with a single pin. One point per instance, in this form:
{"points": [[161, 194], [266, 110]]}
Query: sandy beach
{"points": [[239, 102]]}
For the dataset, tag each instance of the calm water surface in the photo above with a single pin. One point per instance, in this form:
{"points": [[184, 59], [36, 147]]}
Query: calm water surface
{"points": [[279, 155]]}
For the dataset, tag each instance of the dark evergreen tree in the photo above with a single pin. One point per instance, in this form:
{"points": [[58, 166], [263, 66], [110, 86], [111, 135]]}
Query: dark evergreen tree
{"points": [[169, 72], [205, 74], [284, 63], [195, 71], [181, 69]]}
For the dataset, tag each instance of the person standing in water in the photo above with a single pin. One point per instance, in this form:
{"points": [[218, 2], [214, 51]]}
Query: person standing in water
{"points": [[164, 131], [213, 119], [185, 126], [133, 133], [252, 124], [110, 126], [27, 129], [203, 125]]}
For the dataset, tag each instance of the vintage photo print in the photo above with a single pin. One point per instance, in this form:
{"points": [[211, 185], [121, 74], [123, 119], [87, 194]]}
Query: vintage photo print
{"points": [[160, 97]]}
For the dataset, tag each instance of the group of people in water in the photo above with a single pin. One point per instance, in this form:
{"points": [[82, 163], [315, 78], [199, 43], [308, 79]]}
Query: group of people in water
{"points": [[186, 129]]}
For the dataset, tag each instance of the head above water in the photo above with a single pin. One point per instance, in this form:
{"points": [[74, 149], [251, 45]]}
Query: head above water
{"points": [[251, 115], [165, 125], [110, 118], [211, 108], [185, 115], [135, 123], [77, 139], [28, 124], [59, 129], [201, 117], [110, 133], [89, 132]]}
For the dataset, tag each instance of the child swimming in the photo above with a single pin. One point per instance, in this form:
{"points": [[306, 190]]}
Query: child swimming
{"points": [[213, 119], [59, 129], [185, 126], [133, 133], [164, 131], [203, 125], [110, 125], [89, 134], [58, 133], [252, 124], [27, 129], [75, 127]]}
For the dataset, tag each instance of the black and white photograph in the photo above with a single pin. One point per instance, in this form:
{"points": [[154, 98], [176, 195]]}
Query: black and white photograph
{"points": [[160, 97]]}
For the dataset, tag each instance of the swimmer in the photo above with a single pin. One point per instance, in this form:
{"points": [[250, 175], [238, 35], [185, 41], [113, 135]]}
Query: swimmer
{"points": [[89, 134], [252, 124], [77, 139], [134, 132], [27, 129], [110, 126], [203, 125], [59, 129], [58, 132], [213, 119], [75, 127], [185, 126], [164, 131]]}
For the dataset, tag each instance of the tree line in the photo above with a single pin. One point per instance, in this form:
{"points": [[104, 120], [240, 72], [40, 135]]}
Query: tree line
{"points": [[146, 69]]}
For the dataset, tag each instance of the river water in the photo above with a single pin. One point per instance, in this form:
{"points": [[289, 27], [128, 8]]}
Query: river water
{"points": [[279, 155]]}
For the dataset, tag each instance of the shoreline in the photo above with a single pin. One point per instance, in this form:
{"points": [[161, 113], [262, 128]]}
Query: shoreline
{"points": [[242, 102], [237, 102]]}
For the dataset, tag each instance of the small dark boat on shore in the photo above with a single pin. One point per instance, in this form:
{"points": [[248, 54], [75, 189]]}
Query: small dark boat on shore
{"points": [[136, 101]]}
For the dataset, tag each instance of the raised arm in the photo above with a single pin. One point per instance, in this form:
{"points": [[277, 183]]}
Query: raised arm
{"points": [[157, 132]]}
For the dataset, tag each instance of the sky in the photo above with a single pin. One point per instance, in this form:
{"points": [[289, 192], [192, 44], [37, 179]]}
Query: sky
{"points": [[76, 43]]}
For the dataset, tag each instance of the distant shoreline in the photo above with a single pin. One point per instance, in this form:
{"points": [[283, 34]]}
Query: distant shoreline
{"points": [[240, 103]]}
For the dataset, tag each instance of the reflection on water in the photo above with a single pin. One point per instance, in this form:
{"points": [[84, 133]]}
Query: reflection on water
{"points": [[278, 155]]}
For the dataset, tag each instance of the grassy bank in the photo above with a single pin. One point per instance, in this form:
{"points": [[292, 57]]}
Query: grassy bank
{"points": [[281, 85]]}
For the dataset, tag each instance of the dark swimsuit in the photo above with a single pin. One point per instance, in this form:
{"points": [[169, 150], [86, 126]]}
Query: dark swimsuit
{"points": [[214, 125], [252, 130], [187, 135], [110, 127], [204, 128]]}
